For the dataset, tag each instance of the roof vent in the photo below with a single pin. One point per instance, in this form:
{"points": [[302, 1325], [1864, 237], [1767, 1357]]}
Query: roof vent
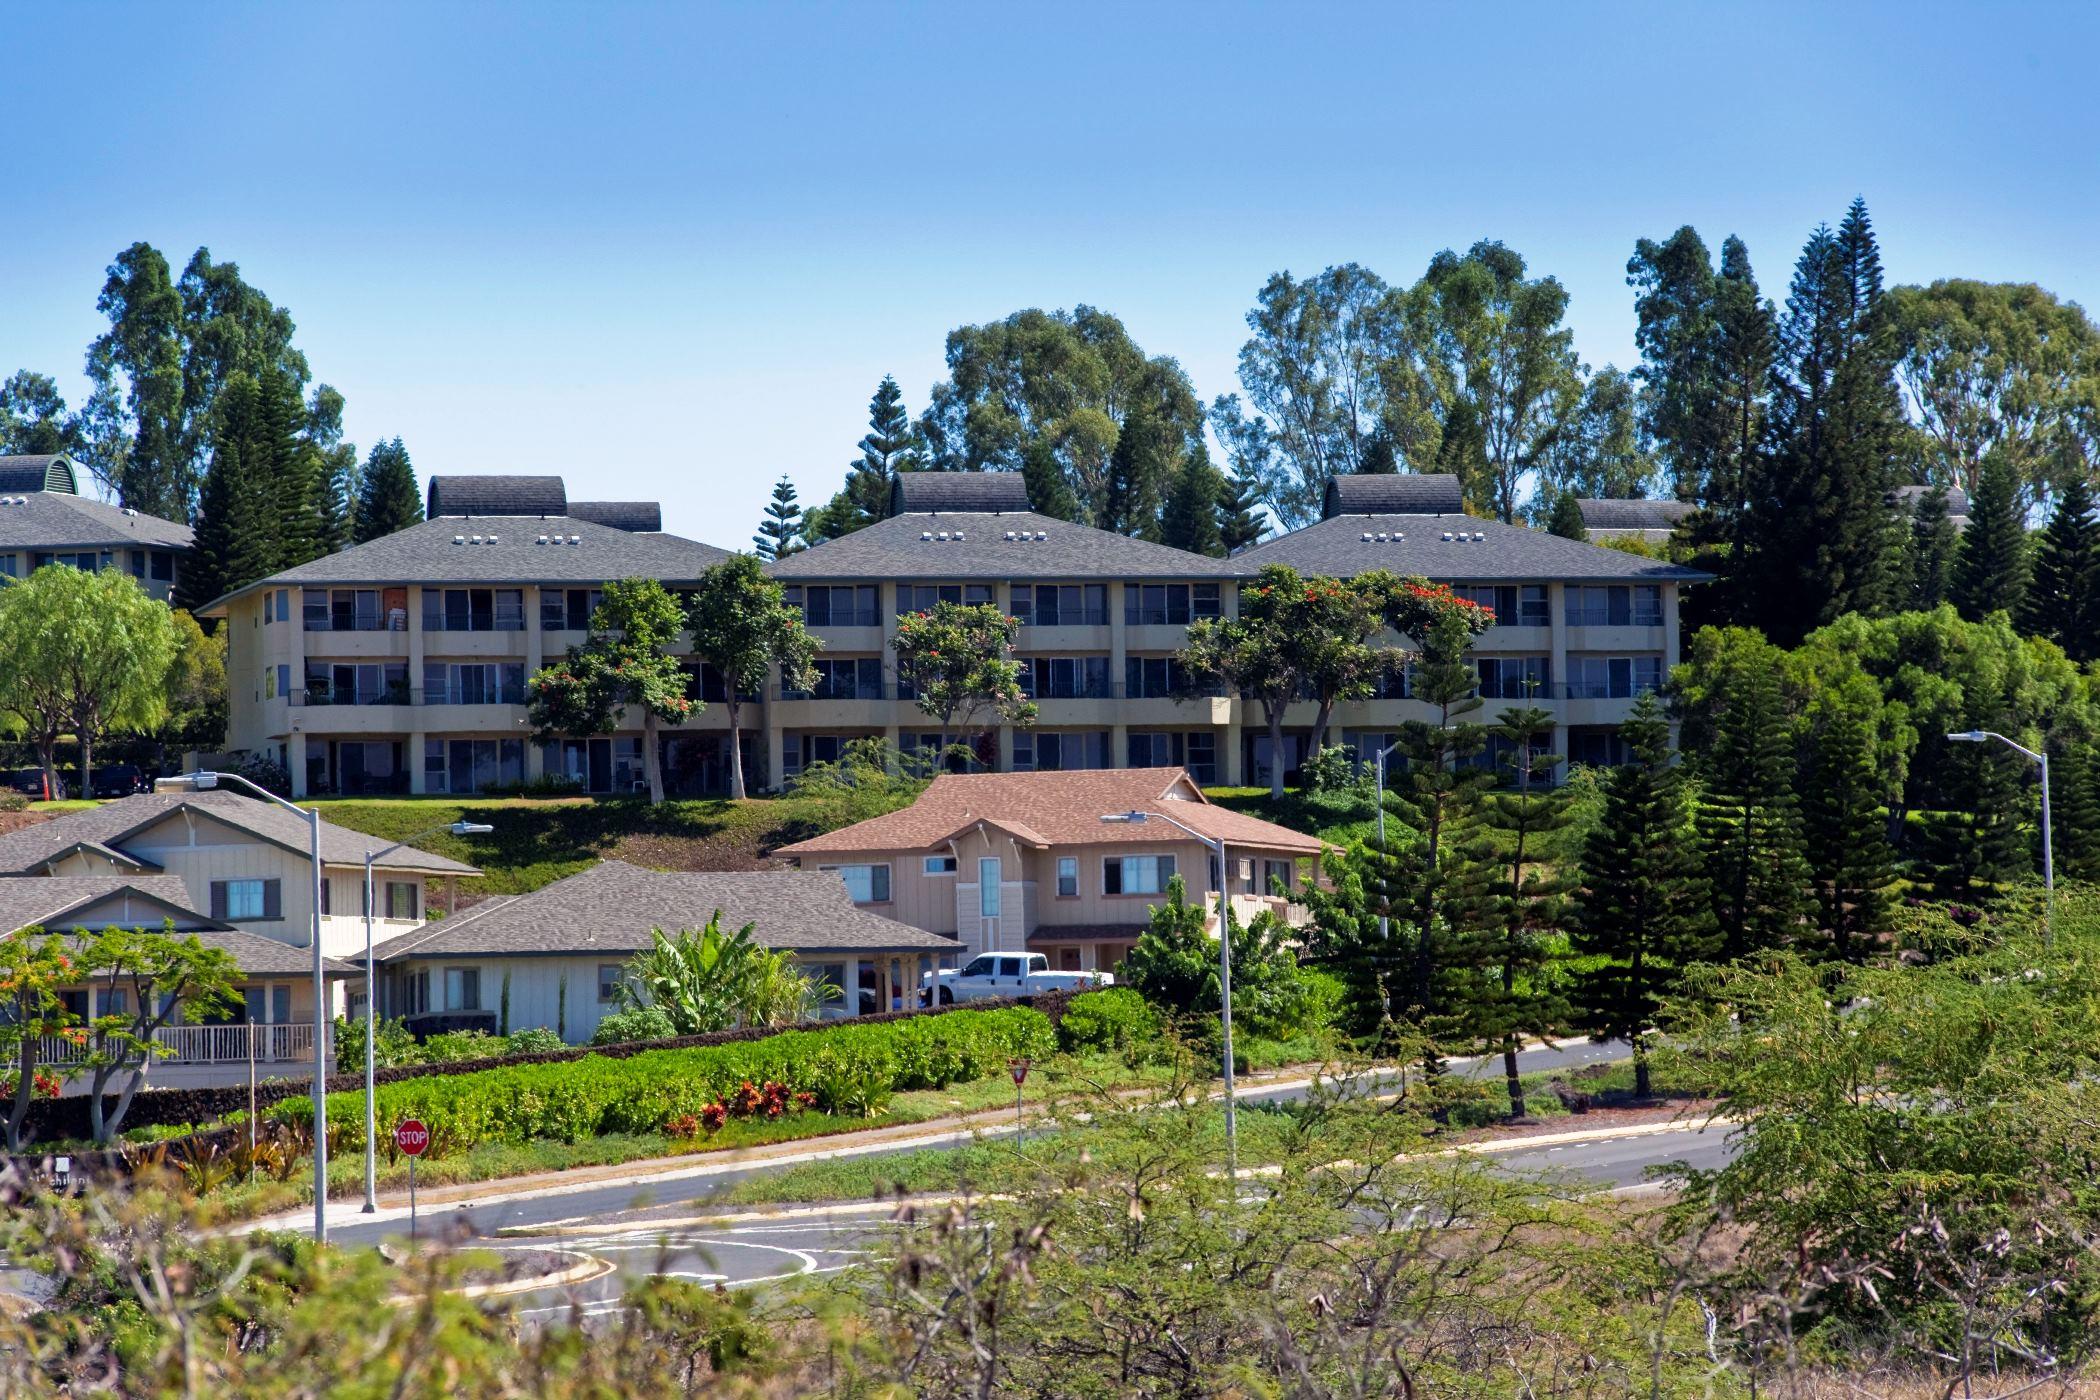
{"points": [[925, 536], [129, 511], [459, 539], [958, 536], [1447, 537], [575, 539], [1009, 536], [1040, 536], [542, 539], [492, 539]]}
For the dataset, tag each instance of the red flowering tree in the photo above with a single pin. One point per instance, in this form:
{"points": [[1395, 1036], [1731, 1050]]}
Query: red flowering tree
{"points": [[1298, 638], [1414, 606], [958, 659], [625, 662], [33, 967]]}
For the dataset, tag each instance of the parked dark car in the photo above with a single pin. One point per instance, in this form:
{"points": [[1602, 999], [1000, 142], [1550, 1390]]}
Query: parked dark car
{"points": [[119, 780], [28, 781]]}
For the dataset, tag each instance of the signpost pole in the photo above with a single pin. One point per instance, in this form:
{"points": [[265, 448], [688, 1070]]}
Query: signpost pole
{"points": [[413, 1138], [411, 1198], [1019, 1070]]}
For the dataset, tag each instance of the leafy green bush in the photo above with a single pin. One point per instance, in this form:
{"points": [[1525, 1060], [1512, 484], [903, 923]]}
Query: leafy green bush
{"points": [[852, 1070], [536, 1040], [395, 1046], [625, 1027], [1114, 1018], [447, 1046]]}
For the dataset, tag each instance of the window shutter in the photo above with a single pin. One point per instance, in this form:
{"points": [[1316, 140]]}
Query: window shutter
{"points": [[218, 900], [273, 899]]}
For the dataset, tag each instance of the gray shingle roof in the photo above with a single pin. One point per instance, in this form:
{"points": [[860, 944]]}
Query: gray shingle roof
{"points": [[1430, 546], [1394, 493], [612, 908], [1909, 498], [48, 901], [977, 548], [52, 520], [1614, 514], [43, 471], [497, 495], [915, 492], [28, 848], [509, 552], [644, 516]]}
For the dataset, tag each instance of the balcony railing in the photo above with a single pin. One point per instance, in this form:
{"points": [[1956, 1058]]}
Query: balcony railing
{"points": [[1607, 690], [202, 1045], [412, 695], [1609, 617]]}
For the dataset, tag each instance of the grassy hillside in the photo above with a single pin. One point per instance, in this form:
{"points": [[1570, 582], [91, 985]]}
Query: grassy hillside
{"points": [[1337, 817], [537, 841]]}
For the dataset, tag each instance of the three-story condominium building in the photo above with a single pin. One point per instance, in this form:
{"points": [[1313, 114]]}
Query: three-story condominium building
{"points": [[1101, 617], [45, 520], [399, 666]]}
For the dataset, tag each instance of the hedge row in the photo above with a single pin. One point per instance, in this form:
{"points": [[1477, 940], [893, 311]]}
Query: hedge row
{"points": [[851, 1069], [67, 1118]]}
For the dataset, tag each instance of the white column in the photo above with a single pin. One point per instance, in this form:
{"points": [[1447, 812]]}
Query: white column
{"points": [[1670, 627], [852, 987]]}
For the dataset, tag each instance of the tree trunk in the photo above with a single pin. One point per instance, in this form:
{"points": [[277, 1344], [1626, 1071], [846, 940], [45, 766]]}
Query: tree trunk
{"points": [[1640, 1067], [1275, 717], [86, 734], [47, 749], [1509, 1075], [25, 1091], [1321, 716], [736, 752], [652, 761]]}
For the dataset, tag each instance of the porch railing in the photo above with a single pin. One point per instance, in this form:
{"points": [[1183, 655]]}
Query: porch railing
{"points": [[202, 1045]]}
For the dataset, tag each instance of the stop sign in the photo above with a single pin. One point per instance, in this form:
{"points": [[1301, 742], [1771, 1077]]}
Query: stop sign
{"points": [[1019, 1070], [412, 1137]]}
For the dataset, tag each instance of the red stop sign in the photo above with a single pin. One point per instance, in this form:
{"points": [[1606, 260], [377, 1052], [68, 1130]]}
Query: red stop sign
{"points": [[412, 1137], [1019, 1070]]}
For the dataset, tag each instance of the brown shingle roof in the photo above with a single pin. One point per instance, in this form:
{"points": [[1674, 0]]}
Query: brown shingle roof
{"points": [[613, 907], [1060, 808], [29, 848]]}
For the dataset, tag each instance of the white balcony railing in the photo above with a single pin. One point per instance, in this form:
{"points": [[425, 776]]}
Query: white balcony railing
{"points": [[202, 1045]]}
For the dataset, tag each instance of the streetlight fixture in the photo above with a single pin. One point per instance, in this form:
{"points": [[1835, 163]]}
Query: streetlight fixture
{"points": [[1978, 736], [1217, 851], [207, 781], [458, 828]]}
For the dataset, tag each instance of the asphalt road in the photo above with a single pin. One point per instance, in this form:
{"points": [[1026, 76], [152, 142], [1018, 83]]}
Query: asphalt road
{"points": [[596, 1200]]}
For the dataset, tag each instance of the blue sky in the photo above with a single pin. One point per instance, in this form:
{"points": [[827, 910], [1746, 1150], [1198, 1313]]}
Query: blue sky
{"points": [[668, 251]]}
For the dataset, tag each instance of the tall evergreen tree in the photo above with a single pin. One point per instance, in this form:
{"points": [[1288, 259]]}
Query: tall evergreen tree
{"points": [[1973, 829], [1934, 546], [1749, 828], [780, 533], [292, 472], [236, 539], [1819, 540], [387, 496], [1566, 519], [1239, 513], [334, 471], [2063, 597], [888, 448], [1141, 471], [1528, 818], [1190, 519], [1844, 834], [1440, 799], [1677, 331], [1991, 571], [2074, 782], [1049, 490], [1641, 908]]}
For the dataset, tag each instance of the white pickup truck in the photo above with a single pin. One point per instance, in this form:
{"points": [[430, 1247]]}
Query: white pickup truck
{"points": [[1006, 975]]}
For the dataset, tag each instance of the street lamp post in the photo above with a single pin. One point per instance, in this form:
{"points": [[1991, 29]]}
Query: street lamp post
{"points": [[458, 828], [1379, 762], [1217, 851], [206, 781], [1978, 736]]}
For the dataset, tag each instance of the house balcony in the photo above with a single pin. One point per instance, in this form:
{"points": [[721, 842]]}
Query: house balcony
{"points": [[365, 645], [290, 1043]]}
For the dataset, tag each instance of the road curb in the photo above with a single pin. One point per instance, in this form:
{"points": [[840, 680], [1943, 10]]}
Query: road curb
{"points": [[590, 1269]]}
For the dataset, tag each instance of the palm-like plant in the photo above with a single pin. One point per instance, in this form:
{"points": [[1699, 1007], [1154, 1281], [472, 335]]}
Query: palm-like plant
{"points": [[711, 980]]}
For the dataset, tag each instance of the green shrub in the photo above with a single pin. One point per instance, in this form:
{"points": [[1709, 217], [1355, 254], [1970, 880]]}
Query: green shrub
{"points": [[395, 1045], [626, 1027], [1114, 1018], [537, 1040], [447, 1046], [852, 1070]]}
